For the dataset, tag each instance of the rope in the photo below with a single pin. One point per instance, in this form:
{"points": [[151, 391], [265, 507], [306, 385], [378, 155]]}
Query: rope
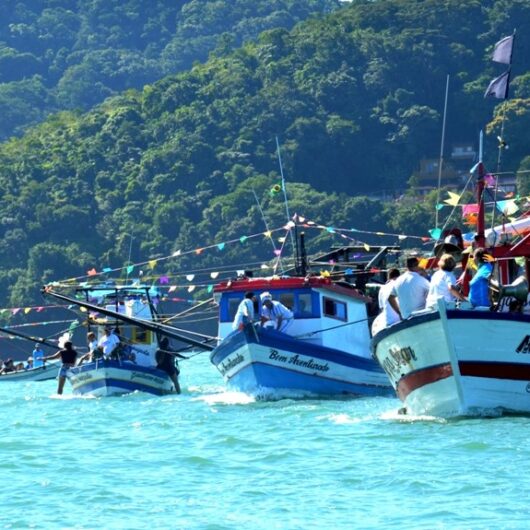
{"points": [[310, 334]]}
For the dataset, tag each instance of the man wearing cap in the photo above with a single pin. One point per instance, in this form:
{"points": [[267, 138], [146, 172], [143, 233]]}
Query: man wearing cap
{"points": [[275, 312], [245, 311]]}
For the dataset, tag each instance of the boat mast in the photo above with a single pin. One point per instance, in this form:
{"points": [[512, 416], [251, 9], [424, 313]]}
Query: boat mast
{"points": [[440, 162]]}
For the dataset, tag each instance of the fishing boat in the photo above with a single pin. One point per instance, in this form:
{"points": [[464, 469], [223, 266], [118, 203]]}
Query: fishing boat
{"points": [[463, 360], [40, 373], [326, 349], [132, 367]]}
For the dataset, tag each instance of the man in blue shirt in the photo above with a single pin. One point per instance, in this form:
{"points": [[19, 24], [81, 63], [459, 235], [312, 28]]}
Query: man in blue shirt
{"points": [[479, 284]]}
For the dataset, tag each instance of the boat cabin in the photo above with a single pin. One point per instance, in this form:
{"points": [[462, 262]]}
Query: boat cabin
{"points": [[141, 303], [324, 312]]}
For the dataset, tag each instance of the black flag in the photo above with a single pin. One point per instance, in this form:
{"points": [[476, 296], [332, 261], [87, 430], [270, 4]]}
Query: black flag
{"points": [[498, 88]]}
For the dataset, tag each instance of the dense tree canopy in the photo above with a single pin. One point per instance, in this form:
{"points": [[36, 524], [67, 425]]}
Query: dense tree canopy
{"points": [[354, 98]]}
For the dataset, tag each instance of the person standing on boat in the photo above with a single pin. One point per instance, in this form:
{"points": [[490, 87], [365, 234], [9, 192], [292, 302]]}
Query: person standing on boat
{"points": [[166, 360], [409, 291], [443, 282], [479, 284], [245, 311], [108, 342], [388, 315], [38, 356], [68, 357], [275, 312]]}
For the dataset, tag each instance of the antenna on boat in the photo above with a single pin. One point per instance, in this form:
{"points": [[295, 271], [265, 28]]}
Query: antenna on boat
{"points": [[480, 239], [295, 245], [441, 160], [266, 225]]}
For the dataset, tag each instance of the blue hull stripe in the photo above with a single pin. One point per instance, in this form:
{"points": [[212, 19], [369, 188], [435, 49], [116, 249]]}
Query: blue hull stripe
{"points": [[117, 383], [259, 375], [281, 341]]}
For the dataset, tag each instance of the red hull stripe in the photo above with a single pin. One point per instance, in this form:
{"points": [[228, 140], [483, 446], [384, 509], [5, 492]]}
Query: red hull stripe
{"points": [[419, 378], [513, 371]]}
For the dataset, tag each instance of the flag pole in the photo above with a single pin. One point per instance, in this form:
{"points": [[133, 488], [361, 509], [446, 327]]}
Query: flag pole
{"points": [[440, 163]]}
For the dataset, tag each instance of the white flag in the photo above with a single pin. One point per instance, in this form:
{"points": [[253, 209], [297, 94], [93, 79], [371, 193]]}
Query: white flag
{"points": [[502, 53]]}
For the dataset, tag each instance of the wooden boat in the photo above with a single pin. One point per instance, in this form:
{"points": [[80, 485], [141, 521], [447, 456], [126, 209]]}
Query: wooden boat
{"points": [[324, 352], [40, 373], [460, 360], [132, 367]]}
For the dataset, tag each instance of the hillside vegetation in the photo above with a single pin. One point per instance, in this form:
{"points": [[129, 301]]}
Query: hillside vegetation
{"points": [[354, 97]]}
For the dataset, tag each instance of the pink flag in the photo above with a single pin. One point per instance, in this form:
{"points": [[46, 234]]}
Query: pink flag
{"points": [[490, 180], [468, 209]]}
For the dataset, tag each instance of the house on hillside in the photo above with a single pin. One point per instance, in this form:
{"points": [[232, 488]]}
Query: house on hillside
{"points": [[455, 170]]}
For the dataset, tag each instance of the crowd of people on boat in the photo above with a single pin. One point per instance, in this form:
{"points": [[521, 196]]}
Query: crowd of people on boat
{"points": [[412, 291]]}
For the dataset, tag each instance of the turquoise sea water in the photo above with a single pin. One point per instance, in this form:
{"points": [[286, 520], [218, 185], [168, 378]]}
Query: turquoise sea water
{"points": [[214, 459]]}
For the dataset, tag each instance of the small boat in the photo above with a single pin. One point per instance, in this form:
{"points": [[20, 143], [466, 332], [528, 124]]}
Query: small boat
{"points": [[40, 373], [133, 365], [134, 368], [324, 352], [465, 361]]}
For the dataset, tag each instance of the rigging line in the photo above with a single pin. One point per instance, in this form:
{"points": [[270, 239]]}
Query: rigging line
{"points": [[284, 193], [311, 333], [265, 223], [505, 218], [454, 207], [203, 319], [440, 163], [186, 311]]}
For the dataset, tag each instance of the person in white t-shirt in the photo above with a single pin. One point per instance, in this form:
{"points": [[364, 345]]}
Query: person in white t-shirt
{"points": [[108, 342], [443, 282], [409, 291], [388, 315], [245, 311], [275, 312]]}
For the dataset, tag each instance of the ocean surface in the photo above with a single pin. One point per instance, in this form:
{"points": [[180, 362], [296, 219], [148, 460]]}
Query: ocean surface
{"points": [[215, 459]]}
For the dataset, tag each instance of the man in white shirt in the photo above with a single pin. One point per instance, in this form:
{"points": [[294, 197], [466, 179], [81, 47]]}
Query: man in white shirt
{"points": [[108, 342], [275, 312], [387, 316], [409, 291], [245, 311]]}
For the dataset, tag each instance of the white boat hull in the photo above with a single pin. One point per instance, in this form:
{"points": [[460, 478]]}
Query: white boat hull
{"points": [[41, 373], [113, 378], [459, 362]]}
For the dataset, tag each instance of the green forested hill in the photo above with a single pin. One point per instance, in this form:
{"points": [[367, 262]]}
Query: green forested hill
{"points": [[355, 98], [64, 54]]}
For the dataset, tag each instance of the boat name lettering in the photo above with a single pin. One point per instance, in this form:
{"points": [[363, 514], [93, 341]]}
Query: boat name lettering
{"points": [[230, 363], [295, 359], [146, 377], [397, 357], [524, 346], [81, 377]]}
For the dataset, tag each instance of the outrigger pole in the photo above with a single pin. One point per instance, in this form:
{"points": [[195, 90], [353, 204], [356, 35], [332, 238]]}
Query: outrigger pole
{"points": [[28, 337], [162, 329]]}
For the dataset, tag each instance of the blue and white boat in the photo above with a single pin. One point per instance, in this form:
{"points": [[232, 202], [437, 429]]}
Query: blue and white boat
{"points": [[133, 368], [326, 351]]}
